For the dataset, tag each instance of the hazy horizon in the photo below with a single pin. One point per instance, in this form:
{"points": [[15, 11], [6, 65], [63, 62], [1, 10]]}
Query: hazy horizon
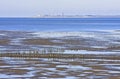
{"points": [[28, 8]]}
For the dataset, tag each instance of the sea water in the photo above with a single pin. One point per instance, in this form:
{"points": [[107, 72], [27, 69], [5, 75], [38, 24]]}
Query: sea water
{"points": [[59, 24]]}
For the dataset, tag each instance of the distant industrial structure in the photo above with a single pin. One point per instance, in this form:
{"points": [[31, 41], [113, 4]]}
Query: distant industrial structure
{"points": [[62, 15]]}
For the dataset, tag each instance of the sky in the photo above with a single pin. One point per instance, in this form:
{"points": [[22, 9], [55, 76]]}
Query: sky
{"points": [[21, 8]]}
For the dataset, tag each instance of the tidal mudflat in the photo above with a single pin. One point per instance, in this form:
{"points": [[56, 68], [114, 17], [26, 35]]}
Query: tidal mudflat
{"points": [[64, 55]]}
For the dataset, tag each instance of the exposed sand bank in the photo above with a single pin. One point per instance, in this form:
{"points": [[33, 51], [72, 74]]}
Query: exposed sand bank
{"points": [[108, 41]]}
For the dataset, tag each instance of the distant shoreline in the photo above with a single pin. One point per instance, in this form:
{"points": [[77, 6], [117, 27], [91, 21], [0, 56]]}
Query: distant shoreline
{"points": [[68, 16], [77, 16]]}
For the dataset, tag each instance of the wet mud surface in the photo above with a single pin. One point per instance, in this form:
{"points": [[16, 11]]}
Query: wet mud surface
{"points": [[59, 55]]}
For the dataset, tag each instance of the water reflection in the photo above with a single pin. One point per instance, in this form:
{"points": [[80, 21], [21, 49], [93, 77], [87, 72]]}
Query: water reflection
{"points": [[59, 68]]}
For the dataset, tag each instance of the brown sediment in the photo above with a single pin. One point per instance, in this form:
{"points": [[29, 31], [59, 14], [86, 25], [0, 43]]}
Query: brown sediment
{"points": [[40, 41], [67, 43], [113, 48], [71, 44], [86, 48], [4, 41], [75, 41], [55, 55], [14, 71], [118, 77], [49, 41], [56, 76], [2, 63], [61, 69]]}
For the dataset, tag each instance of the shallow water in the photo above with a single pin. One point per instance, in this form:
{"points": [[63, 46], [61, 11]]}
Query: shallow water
{"points": [[42, 68]]}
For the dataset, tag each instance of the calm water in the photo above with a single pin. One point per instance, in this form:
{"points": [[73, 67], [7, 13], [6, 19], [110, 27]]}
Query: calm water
{"points": [[63, 24]]}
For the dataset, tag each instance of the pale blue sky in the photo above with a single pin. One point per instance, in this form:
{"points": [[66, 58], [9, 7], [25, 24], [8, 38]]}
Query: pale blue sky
{"points": [[35, 7]]}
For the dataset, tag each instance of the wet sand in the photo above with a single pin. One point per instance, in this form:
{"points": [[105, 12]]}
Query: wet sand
{"points": [[89, 41], [53, 68], [65, 55], [4, 41], [71, 44]]}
